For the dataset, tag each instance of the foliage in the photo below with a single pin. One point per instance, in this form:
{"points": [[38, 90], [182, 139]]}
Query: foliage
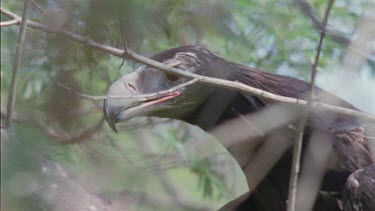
{"points": [[272, 35]]}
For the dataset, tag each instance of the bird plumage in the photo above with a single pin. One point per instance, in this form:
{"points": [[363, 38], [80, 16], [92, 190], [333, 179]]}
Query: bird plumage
{"points": [[208, 106]]}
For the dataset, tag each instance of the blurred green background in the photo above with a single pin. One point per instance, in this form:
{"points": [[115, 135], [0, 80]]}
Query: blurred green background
{"points": [[59, 155]]}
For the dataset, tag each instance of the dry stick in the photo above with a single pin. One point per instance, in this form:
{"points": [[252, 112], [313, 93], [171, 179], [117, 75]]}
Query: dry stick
{"points": [[332, 34], [8, 23], [125, 44], [40, 8], [214, 81], [265, 159], [145, 96], [16, 65], [167, 183], [311, 14], [315, 162], [65, 138], [297, 147]]}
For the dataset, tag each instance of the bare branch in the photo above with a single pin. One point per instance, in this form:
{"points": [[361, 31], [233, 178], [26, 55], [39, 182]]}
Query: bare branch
{"points": [[168, 185], [125, 44], [214, 81], [315, 162], [9, 23], [145, 96], [16, 65], [40, 8], [76, 112], [265, 158], [126, 48], [67, 138], [332, 34], [310, 13], [297, 147]]}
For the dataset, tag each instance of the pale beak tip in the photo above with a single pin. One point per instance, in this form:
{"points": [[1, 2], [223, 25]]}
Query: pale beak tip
{"points": [[109, 115]]}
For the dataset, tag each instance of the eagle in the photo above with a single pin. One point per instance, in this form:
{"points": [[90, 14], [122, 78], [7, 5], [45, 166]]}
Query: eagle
{"points": [[349, 174]]}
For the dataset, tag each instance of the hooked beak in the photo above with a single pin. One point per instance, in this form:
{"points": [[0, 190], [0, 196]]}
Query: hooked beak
{"points": [[120, 113], [123, 104], [110, 115]]}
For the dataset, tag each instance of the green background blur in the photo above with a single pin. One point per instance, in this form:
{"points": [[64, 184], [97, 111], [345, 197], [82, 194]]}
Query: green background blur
{"points": [[151, 164]]}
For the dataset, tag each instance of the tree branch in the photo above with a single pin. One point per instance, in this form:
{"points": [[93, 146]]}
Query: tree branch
{"points": [[310, 13], [332, 34], [146, 96], [9, 23], [126, 48], [17, 64], [65, 138], [214, 81], [297, 147]]}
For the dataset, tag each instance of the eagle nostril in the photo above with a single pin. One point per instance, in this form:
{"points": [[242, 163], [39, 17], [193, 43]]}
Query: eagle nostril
{"points": [[132, 87], [129, 85]]}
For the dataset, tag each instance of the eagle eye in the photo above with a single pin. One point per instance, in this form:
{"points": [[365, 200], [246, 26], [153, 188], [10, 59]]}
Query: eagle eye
{"points": [[171, 77]]}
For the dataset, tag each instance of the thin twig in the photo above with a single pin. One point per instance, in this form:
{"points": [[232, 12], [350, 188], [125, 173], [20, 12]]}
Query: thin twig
{"points": [[145, 96], [76, 112], [332, 34], [297, 147], [16, 65], [248, 122], [310, 13], [126, 49], [166, 182], [123, 35], [213, 81], [40, 8], [8, 23], [68, 138]]}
